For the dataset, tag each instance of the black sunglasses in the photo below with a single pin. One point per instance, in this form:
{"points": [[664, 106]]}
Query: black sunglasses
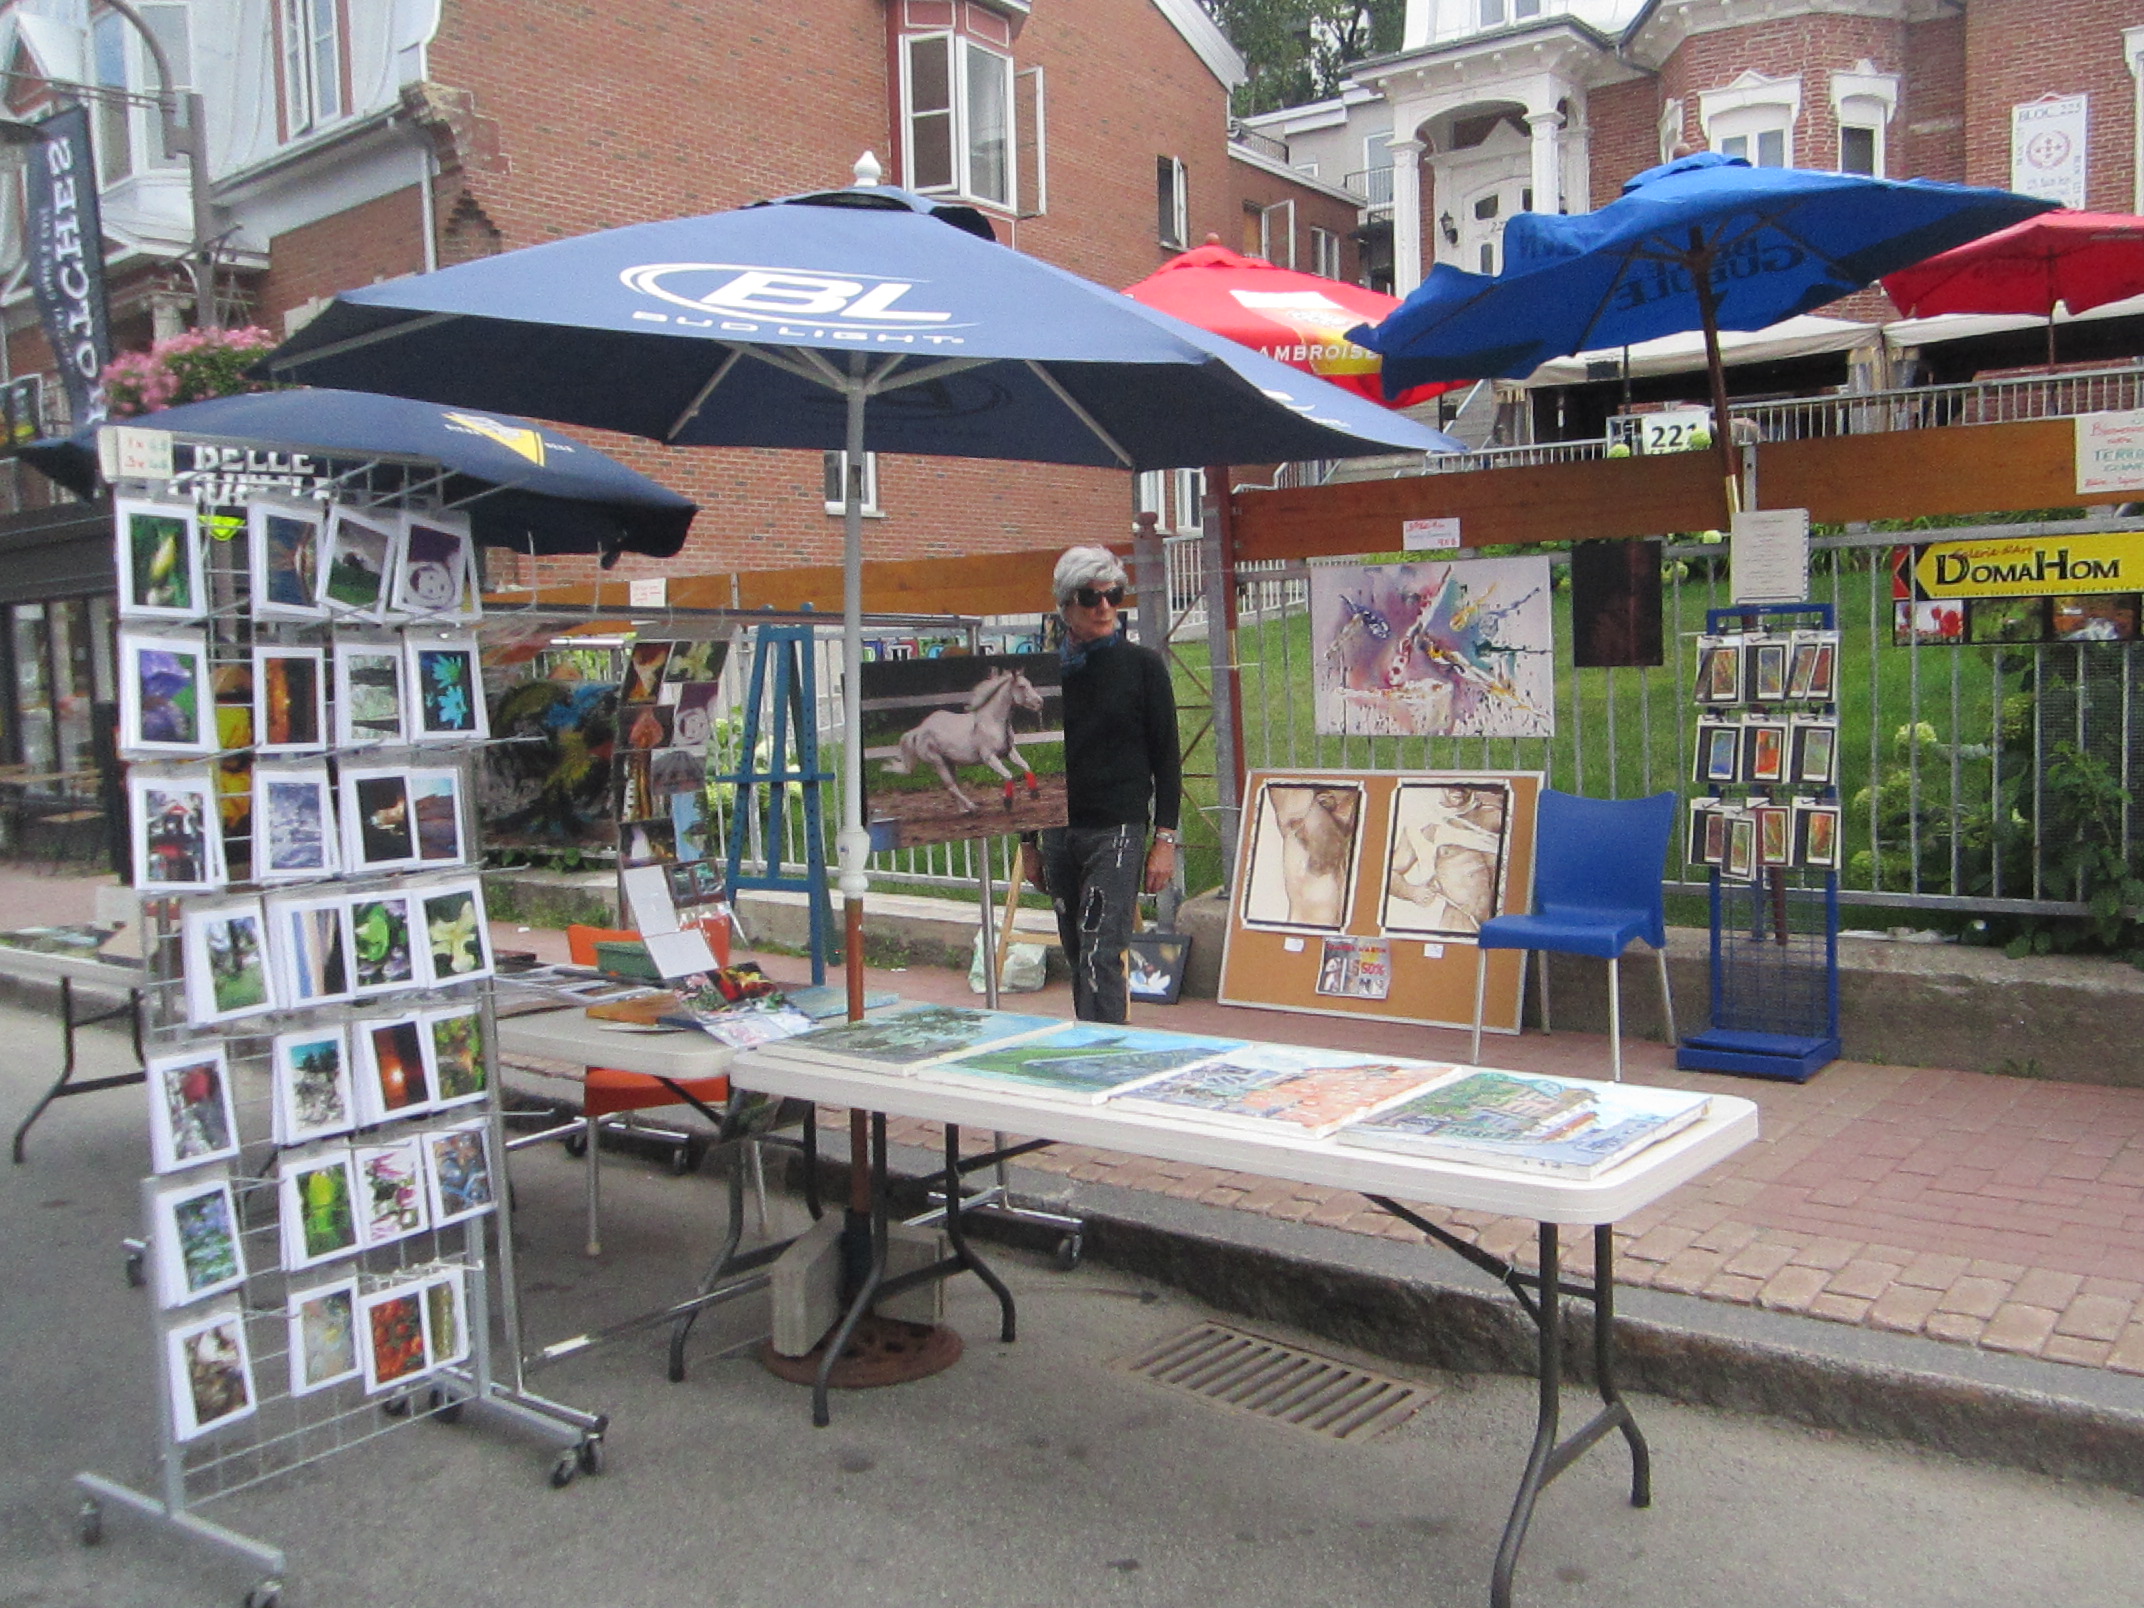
{"points": [[1088, 598]]}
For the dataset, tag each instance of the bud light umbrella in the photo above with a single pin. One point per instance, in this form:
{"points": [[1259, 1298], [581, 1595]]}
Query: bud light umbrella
{"points": [[1704, 242], [1294, 318], [864, 320], [523, 486], [2076, 260]]}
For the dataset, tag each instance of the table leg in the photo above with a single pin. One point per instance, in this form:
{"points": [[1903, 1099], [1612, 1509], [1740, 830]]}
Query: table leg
{"points": [[1548, 1323], [867, 1288], [732, 1236], [958, 1236]]}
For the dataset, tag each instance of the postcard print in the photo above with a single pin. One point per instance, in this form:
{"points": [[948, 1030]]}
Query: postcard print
{"points": [[391, 1330], [446, 689], [455, 1041], [160, 560], [283, 546], [1305, 842], [446, 1328], [368, 693], [359, 565], [390, 1191], [644, 672], [311, 943], [434, 552], [177, 829], [226, 957], [458, 943], [314, 1097], [289, 700], [164, 694], [294, 828], [322, 1326], [191, 1119], [318, 1208], [435, 802], [210, 1370], [382, 953], [198, 1253], [378, 833], [457, 1174], [393, 1080]]}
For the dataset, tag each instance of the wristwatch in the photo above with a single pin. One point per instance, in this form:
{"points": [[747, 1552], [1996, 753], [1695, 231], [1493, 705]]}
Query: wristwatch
{"points": [[1168, 835]]}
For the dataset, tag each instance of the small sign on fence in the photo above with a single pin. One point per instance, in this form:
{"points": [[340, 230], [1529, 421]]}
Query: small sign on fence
{"points": [[1429, 535], [2110, 453]]}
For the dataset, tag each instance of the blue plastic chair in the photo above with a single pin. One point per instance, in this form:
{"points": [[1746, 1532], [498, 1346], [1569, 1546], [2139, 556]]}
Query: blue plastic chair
{"points": [[1598, 865]]}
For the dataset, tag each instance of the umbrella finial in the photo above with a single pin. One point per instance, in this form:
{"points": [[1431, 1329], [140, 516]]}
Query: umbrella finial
{"points": [[868, 171]]}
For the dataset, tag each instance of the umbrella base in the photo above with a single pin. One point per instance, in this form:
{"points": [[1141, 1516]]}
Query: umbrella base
{"points": [[882, 1351]]}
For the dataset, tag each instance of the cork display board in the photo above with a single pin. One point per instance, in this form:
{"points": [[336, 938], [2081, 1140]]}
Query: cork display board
{"points": [[1358, 893]]}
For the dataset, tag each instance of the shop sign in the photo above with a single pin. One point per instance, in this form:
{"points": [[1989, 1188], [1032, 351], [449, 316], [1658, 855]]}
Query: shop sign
{"points": [[2047, 149], [2110, 453], [2027, 566]]}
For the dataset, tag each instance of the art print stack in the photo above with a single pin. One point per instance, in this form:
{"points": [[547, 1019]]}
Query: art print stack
{"points": [[300, 707], [1768, 750]]}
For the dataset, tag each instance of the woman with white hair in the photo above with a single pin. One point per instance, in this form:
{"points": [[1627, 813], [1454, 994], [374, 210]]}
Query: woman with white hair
{"points": [[1123, 780]]}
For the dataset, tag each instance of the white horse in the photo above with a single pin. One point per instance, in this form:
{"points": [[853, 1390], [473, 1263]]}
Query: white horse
{"points": [[981, 734]]}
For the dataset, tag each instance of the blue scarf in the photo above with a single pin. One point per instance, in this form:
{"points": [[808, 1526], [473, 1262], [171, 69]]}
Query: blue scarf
{"points": [[1071, 655]]}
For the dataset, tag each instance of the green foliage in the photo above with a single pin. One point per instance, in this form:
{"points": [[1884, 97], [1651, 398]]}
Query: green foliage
{"points": [[1300, 50]]}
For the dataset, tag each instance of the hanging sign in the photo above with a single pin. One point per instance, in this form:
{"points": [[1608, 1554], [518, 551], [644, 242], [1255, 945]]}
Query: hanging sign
{"points": [[2026, 566], [2047, 149], [2110, 452], [66, 237], [1768, 555]]}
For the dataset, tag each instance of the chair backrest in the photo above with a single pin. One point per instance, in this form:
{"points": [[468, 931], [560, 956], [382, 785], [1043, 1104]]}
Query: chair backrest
{"points": [[1604, 854], [581, 941]]}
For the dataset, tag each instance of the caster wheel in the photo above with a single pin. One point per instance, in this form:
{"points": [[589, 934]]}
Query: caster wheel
{"points": [[564, 1471], [695, 1154], [576, 1144], [445, 1409], [681, 1161], [395, 1407], [89, 1523], [137, 1276], [1069, 1251], [589, 1454], [268, 1594]]}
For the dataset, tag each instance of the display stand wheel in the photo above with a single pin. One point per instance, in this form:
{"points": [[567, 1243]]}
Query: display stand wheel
{"points": [[89, 1522], [882, 1351], [268, 1594], [444, 1408], [137, 1275], [589, 1454], [683, 1159], [1069, 1251], [566, 1470], [575, 1142]]}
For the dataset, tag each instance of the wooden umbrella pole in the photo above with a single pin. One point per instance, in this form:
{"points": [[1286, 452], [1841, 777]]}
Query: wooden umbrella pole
{"points": [[1699, 267]]}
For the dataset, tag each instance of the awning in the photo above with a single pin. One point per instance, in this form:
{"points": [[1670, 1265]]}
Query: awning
{"points": [[1808, 335], [1905, 334]]}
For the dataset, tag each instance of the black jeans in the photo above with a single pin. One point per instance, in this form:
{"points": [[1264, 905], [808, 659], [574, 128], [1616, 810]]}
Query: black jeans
{"points": [[1092, 875]]}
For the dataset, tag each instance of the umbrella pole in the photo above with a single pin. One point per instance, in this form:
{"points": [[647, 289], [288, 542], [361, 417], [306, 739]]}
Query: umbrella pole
{"points": [[853, 846], [1708, 307]]}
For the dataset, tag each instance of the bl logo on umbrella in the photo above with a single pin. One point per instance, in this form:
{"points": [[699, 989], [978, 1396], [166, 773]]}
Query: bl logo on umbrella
{"points": [[863, 300]]}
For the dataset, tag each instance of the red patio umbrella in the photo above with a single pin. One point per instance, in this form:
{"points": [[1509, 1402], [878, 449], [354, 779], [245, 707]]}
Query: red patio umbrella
{"points": [[2078, 260], [1292, 317]]}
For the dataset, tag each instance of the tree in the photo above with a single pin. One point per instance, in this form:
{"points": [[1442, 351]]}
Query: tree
{"points": [[1300, 50]]}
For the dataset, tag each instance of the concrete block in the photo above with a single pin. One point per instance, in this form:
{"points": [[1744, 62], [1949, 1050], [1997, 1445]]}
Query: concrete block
{"points": [[908, 1248], [807, 1288]]}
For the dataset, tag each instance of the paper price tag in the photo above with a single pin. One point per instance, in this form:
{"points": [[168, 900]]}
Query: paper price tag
{"points": [[128, 452], [1429, 535], [651, 592], [1294, 946]]}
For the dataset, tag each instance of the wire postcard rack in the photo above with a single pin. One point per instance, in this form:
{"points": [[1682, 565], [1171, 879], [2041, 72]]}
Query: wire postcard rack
{"points": [[327, 1241]]}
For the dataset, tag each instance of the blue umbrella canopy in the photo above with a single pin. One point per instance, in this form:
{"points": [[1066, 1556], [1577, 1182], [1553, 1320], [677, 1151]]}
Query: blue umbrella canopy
{"points": [[1760, 244], [523, 486]]}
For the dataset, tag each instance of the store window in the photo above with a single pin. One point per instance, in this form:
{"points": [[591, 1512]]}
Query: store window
{"points": [[30, 638], [957, 134], [313, 64]]}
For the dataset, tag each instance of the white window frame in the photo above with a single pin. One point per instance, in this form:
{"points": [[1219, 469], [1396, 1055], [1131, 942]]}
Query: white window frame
{"points": [[1325, 252], [2133, 55], [833, 465], [968, 61], [300, 49], [1172, 202], [1175, 497], [1280, 218], [1749, 108], [111, 66], [1865, 98], [1670, 129]]}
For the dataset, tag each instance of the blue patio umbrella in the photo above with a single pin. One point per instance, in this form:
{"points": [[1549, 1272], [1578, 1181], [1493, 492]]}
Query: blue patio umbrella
{"points": [[1704, 242], [523, 486]]}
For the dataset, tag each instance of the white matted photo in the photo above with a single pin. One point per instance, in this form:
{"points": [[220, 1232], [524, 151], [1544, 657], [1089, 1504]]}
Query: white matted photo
{"points": [[312, 948], [444, 675], [391, 1202], [210, 1370], [160, 560], [226, 954], [164, 694], [196, 1241], [446, 1320], [295, 836], [393, 1077], [1307, 840], [283, 545], [178, 831], [454, 1041], [358, 561], [435, 805], [390, 1335], [290, 707], [1445, 872], [432, 581], [457, 1172], [314, 1095], [383, 942], [378, 828], [456, 937], [191, 1117], [323, 1336], [319, 1207], [368, 694]]}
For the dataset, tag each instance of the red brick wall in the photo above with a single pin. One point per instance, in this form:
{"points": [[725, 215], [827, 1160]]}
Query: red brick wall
{"points": [[1255, 188], [1808, 45], [2017, 52], [1625, 136], [380, 239], [1928, 129]]}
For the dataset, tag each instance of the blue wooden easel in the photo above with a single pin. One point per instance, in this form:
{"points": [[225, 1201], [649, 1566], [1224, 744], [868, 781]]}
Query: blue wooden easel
{"points": [[792, 728]]}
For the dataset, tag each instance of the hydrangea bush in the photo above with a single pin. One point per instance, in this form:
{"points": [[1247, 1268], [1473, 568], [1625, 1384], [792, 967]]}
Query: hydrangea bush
{"points": [[190, 367]]}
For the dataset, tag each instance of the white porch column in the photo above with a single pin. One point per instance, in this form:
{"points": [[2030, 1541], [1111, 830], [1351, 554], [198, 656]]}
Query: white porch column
{"points": [[1547, 164], [1406, 215]]}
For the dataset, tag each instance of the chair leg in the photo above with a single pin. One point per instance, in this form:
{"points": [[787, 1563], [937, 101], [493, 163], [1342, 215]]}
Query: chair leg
{"points": [[1481, 995], [1615, 1017], [1541, 975], [1667, 998], [595, 1144], [759, 1184]]}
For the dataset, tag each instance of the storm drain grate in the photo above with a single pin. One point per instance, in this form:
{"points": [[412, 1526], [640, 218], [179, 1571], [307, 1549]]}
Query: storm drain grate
{"points": [[1257, 1375]]}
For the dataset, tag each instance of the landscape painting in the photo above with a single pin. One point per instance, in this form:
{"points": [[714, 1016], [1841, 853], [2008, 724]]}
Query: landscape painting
{"points": [[962, 748], [1085, 1063]]}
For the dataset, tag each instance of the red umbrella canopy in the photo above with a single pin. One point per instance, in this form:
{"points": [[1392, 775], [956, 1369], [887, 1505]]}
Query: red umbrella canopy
{"points": [[1294, 318], [2080, 259]]}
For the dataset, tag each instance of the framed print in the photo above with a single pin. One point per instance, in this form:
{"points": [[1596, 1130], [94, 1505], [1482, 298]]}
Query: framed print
{"points": [[198, 1253], [648, 842], [164, 694], [160, 567], [318, 1207], [314, 1095], [1715, 847], [649, 725], [435, 803], [1816, 753], [381, 954], [294, 830], [435, 556], [1445, 862], [392, 1078], [1816, 835], [323, 1336], [210, 1371], [1719, 670], [312, 947], [1700, 813], [1303, 853], [226, 958], [1768, 670], [368, 694], [289, 700], [1764, 751], [390, 1191], [1775, 834], [454, 1041], [457, 1172], [283, 550], [378, 833], [644, 672], [191, 1119], [446, 1325], [390, 1326], [693, 719], [358, 562], [1741, 861], [1719, 752], [457, 940], [695, 663], [1156, 971], [177, 829], [446, 689]]}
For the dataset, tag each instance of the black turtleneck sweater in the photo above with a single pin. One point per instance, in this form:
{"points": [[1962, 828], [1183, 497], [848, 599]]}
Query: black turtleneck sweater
{"points": [[1120, 737]]}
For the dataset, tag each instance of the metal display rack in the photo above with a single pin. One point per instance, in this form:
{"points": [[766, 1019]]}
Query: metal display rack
{"points": [[1775, 940], [287, 1430]]}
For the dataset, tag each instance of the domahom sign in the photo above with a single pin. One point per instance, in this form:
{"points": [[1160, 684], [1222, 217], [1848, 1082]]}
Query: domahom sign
{"points": [[2045, 566]]}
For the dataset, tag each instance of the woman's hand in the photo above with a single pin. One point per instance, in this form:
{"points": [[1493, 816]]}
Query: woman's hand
{"points": [[1160, 865], [1031, 866]]}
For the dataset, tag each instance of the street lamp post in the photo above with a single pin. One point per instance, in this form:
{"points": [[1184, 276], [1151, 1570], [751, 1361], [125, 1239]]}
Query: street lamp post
{"points": [[185, 130]]}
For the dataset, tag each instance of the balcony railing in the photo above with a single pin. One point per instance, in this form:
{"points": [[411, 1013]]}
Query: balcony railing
{"points": [[1373, 185]]}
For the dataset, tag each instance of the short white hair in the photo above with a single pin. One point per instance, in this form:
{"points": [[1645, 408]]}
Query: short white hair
{"points": [[1097, 567]]}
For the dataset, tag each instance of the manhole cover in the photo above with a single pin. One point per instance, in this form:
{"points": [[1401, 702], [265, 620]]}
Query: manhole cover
{"points": [[882, 1351], [1280, 1382]]}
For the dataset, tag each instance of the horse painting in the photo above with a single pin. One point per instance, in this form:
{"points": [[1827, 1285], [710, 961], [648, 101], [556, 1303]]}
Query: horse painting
{"points": [[979, 734]]}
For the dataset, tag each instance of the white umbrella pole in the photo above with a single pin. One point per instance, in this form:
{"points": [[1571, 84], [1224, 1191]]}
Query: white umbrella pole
{"points": [[853, 846]]}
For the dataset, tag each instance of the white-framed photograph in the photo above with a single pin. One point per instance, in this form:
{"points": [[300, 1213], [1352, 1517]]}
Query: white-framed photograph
{"points": [[432, 580], [453, 934], [391, 1202], [323, 1336], [379, 829], [319, 1205], [383, 928], [177, 828], [191, 1117], [390, 1335], [445, 678], [315, 1097], [197, 1241], [165, 700], [290, 708], [210, 1369], [392, 1075], [283, 547], [295, 837], [226, 954], [160, 560], [458, 1178], [358, 559], [368, 694], [446, 1316], [454, 1041], [311, 948], [435, 805]]}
